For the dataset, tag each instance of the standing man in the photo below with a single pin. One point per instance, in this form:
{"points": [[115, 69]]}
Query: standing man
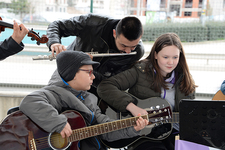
{"points": [[100, 34]]}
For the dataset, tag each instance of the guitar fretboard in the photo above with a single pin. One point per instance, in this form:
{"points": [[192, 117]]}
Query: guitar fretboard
{"points": [[95, 130], [83, 133]]}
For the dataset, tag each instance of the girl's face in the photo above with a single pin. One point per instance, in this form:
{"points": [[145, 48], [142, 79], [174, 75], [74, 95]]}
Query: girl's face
{"points": [[167, 59], [83, 78]]}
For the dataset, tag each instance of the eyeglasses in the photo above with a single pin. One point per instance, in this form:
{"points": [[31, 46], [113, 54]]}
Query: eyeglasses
{"points": [[90, 72]]}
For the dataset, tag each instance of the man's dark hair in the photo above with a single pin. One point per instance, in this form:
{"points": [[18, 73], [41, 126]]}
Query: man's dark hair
{"points": [[130, 27]]}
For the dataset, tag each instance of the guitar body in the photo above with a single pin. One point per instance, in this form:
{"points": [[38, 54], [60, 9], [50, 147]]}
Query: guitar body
{"points": [[219, 96], [17, 131], [152, 132], [155, 103]]}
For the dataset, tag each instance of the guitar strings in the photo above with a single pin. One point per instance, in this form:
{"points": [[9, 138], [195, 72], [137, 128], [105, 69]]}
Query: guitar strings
{"points": [[56, 138], [43, 142]]}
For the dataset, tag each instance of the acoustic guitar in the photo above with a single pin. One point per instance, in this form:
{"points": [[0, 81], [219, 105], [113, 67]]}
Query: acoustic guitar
{"points": [[155, 131], [18, 132], [219, 96]]}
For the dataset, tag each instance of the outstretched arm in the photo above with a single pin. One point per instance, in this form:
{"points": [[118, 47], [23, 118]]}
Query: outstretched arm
{"points": [[135, 110]]}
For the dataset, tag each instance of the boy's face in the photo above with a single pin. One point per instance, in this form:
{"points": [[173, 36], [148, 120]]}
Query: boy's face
{"points": [[83, 78]]}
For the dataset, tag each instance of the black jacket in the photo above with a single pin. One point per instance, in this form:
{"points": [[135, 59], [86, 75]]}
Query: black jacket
{"points": [[9, 47], [138, 84], [94, 33]]}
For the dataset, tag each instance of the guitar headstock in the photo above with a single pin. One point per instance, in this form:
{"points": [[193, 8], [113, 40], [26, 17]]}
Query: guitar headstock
{"points": [[158, 115]]}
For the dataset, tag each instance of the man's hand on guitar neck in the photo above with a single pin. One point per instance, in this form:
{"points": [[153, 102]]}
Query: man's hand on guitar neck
{"points": [[67, 131], [135, 110], [141, 123]]}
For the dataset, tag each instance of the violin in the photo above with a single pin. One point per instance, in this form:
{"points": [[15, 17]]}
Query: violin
{"points": [[31, 33]]}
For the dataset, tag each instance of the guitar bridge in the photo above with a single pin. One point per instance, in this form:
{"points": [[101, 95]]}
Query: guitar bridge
{"points": [[31, 141]]}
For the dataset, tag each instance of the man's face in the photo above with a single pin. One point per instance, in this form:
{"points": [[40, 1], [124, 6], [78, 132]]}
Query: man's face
{"points": [[123, 44]]}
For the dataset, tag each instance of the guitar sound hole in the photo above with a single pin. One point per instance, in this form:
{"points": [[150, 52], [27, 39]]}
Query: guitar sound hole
{"points": [[56, 141]]}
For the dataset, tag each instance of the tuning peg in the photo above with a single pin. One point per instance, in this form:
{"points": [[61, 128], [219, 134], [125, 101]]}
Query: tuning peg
{"points": [[38, 42], [32, 38], [160, 122], [156, 120]]}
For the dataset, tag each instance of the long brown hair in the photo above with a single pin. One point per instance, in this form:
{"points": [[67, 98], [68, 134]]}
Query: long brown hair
{"points": [[187, 84]]}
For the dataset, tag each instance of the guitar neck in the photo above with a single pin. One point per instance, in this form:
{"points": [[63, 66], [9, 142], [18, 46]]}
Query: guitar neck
{"points": [[83, 133]]}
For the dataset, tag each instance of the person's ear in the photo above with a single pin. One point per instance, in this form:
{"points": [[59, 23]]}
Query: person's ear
{"points": [[114, 33], [75, 77]]}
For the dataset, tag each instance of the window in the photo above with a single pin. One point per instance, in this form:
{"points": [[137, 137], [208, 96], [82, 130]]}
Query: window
{"points": [[188, 4], [187, 13], [163, 4], [200, 4], [175, 8]]}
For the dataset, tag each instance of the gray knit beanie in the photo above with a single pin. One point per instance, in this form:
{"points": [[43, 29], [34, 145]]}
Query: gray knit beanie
{"points": [[68, 63]]}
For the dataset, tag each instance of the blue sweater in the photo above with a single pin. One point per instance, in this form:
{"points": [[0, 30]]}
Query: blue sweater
{"points": [[222, 88]]}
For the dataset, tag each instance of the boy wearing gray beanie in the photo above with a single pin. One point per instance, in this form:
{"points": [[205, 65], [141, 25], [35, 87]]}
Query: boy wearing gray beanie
{"points": [[46, 107]]}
